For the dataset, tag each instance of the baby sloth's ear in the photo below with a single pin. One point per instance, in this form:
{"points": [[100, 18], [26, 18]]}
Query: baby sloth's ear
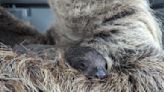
{"points": [[87, 61]]}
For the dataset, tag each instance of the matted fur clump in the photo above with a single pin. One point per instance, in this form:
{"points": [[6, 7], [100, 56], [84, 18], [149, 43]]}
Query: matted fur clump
{"points": [[44, 70]]}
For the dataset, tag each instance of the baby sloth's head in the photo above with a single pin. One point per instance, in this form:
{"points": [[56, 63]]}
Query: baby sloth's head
{"points": [[88, 61]]}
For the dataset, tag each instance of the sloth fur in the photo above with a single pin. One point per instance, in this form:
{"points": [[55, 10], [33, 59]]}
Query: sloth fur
{"points": [[45, 71], [109, 26], [123, 31]]}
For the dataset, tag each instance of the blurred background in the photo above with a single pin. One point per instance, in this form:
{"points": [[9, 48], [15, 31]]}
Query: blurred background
{"points": [[38, 13]]}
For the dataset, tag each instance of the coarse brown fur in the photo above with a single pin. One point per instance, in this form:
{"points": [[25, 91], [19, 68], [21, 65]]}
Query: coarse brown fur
{"points": [[142, 71], [137, 61]]}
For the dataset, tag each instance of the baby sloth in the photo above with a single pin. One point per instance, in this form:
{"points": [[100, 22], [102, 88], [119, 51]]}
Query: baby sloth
{"points": [[88, 61]]}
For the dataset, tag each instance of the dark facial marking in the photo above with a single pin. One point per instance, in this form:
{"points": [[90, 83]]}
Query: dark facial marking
{"points": [[120, 15], [88, 61]]}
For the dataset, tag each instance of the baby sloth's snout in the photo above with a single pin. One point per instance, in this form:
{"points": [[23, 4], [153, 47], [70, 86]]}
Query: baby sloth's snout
{"points": [[101, 73]]}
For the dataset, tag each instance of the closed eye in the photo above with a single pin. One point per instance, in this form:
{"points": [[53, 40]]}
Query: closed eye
{"points": [[106, 66], [82, 65]]}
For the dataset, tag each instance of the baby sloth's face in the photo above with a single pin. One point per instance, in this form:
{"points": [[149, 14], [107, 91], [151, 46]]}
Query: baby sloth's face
{"points": [[88, 61]]}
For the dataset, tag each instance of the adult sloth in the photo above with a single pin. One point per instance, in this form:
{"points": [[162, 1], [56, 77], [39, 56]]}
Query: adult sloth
{"points": [[115, 28]]}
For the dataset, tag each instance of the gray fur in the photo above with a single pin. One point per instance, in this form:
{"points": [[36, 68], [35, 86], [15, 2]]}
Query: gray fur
{"points": [[109, 26]]}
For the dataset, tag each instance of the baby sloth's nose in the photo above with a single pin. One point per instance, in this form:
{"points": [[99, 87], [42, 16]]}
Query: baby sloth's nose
{"points": [[101, 73]]}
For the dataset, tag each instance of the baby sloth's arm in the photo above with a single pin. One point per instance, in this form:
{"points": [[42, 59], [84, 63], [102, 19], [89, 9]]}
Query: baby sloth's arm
{"points": [[88, 61]]}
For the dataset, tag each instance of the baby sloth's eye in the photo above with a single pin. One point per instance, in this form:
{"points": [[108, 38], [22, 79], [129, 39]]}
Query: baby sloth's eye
{"points": [[82, 65], [106, 66]]}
